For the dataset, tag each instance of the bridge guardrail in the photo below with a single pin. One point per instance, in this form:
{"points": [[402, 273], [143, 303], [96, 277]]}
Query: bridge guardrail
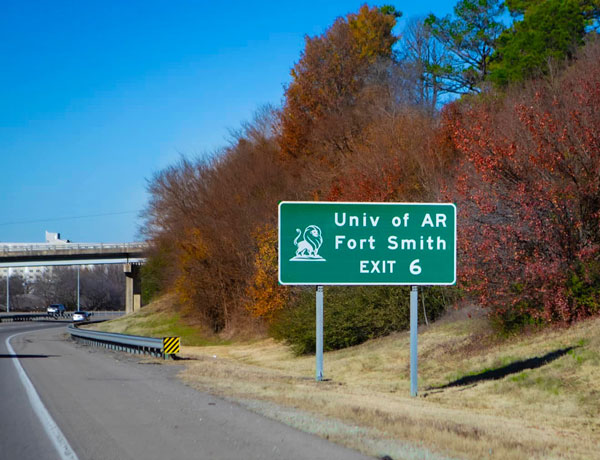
{"points": [[7, 248], [121, 342]]}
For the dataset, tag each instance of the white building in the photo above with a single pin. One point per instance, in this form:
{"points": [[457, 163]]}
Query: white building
{"points": [[54, 238], [30, 273]]}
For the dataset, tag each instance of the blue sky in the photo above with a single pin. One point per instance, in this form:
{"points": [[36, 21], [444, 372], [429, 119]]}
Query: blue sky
{"points": [[95, 97]]}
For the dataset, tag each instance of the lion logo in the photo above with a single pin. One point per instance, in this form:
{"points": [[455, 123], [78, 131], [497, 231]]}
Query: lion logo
{"points": [[307, 248]]}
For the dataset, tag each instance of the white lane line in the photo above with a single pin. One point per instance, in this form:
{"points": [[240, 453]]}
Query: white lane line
{"points": [[62, 446]]}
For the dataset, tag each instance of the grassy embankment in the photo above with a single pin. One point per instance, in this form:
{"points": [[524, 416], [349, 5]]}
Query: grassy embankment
{"points": [[158, 320], [480, 396]]}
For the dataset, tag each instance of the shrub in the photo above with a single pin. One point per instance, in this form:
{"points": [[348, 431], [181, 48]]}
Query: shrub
{"points": [[353, 315], [528, 198], [265, 295]]}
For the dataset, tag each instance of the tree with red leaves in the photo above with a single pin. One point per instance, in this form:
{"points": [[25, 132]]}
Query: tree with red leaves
{"points": [[528, 194]]}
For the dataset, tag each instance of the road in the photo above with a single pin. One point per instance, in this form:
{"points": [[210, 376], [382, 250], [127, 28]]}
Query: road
{"points": [[19, 424], [113, 406]]}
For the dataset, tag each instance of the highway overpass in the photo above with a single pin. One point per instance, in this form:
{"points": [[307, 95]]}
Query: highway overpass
{"points": [[44, 254], [131, 255]]}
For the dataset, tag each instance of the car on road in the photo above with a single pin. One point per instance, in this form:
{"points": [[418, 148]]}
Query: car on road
{"points": [[56, 309], [80, 315]]}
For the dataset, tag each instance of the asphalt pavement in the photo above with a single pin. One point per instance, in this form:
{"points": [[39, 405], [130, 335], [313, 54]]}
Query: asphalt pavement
{"points": [[22, 435], [113, 406]]}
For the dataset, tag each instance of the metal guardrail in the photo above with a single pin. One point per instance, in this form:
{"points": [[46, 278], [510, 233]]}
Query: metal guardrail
{"points": [[15, 317], [27, 317], [121, 342]]}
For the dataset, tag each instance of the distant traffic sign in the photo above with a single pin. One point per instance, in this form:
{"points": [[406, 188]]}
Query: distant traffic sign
{"points": [[327, 243]]}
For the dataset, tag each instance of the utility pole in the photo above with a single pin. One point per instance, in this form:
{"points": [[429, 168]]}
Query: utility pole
{"points": [[77, 287], [8, 290]]}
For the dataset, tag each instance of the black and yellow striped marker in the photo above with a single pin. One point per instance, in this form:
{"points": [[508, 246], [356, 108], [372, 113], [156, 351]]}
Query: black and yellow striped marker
{"points": [[170, 345]]}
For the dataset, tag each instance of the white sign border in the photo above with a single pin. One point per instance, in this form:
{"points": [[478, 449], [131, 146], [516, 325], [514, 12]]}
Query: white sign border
{"points": [[367, 283]]}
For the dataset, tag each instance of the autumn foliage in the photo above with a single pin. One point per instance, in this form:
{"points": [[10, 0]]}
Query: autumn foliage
{"points": [[204, 213], [521, 165], [265, 296], [318, 115], [528, 194]]}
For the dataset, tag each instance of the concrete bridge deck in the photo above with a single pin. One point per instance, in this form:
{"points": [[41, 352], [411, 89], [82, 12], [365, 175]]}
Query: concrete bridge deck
{"points": [[31, 254], [131, 255]]}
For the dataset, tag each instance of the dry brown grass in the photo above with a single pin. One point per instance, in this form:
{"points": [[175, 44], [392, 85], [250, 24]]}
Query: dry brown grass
{"points": [[159, 319], [547, 412]]}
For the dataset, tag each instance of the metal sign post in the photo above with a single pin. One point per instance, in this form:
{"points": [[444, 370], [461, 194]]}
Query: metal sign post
{"points": [[319, 341], [414, 330]]}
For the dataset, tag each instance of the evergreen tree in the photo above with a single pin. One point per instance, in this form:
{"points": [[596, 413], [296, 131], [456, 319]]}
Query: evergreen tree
{"points": [[470, 39], [549, 30]]}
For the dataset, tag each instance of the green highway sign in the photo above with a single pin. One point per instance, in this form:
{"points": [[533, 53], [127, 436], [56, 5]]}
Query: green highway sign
{"points": [[327, 243]]}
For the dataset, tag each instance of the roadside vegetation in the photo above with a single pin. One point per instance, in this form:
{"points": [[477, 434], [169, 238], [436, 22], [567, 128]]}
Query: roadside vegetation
{"points": [[498, 117], [353, 315], [159, 320]]}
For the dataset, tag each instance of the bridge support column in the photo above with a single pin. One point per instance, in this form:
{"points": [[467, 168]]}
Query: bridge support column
{"points": [[133, 288]]}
